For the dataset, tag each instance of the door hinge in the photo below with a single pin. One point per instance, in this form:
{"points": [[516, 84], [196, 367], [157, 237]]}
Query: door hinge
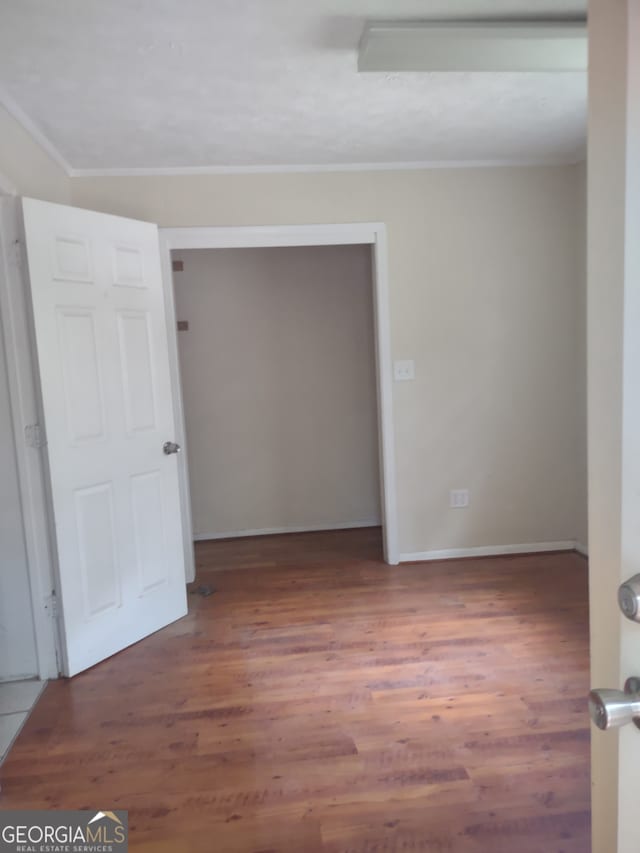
{"points": [[34, 436], [51, 605]]}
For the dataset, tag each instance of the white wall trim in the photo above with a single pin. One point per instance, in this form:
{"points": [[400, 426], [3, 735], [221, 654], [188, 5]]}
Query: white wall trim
{"points": [[294, 528], [260, 236], [25, 409], [384, 376], [178, 407], [582, 549], [38, 136], [488, 551], [285, 168], [373, 233]]}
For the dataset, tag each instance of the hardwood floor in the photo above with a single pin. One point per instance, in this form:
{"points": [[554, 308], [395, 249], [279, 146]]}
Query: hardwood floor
{"points": [[322, 701]]}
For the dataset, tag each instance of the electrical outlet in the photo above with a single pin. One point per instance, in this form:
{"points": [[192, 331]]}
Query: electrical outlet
{"points": [[404, 371], [459, 498]]}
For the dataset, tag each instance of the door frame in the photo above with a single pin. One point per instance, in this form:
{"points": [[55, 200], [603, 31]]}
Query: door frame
{"points": [[261, 236], [28, 436]]}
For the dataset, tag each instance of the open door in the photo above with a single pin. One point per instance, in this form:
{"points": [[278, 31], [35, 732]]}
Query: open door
{"points": [[102, 352], [614, 417]]}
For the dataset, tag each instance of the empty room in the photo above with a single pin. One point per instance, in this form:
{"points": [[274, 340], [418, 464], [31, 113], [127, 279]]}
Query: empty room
{"points": [[319, 425]]}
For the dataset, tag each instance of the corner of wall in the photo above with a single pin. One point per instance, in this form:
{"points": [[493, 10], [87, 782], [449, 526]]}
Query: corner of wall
{"points": [[25, 167]]}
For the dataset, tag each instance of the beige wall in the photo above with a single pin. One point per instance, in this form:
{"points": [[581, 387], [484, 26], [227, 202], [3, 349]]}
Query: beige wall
{"points": [[486, 271], [278, 372], [26, 167], [486, 277]]}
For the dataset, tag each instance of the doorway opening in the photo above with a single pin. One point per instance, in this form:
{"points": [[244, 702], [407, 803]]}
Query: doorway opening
{"points": [[285, 404]]}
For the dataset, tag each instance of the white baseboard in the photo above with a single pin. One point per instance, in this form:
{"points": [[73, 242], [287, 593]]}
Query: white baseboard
{"points": [[582, 549], [488, 551], [269, 531]]}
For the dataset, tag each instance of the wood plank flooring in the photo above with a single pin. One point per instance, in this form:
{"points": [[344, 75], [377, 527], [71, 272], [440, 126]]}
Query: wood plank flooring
{"points": [[322, 701]]}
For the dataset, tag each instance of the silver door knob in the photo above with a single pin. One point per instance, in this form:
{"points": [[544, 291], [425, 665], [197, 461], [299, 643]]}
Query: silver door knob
{"points": [[613, 708], [170, 447], [629, 598]]}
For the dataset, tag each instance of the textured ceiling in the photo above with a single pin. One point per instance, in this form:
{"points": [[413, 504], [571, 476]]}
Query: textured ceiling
{"points": [[118, 84]]}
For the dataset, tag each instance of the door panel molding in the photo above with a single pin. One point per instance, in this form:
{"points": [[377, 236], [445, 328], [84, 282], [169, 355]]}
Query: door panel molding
{"points": [[101, 352]]}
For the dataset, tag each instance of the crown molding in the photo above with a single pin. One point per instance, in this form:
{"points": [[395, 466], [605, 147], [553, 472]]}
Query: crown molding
{"points": [[38, 135], [41, 139], [399, 166]]}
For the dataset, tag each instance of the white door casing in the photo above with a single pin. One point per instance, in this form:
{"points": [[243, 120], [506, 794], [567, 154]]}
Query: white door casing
{"points": [[629, 755], [355, 233], [25, 406], [18, 654], [614, 399], [102, 352]]}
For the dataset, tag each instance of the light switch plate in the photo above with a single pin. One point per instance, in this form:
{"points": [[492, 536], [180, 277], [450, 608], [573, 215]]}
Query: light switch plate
{"points": [[404, 371]]}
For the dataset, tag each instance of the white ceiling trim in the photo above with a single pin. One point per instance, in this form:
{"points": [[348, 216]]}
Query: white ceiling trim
{"points": [[45, 143], [34, 132], [323, 167]]}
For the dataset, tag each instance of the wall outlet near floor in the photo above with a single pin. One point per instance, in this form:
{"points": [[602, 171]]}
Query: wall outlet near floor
{"points": [[404, 370], [459, 498]]}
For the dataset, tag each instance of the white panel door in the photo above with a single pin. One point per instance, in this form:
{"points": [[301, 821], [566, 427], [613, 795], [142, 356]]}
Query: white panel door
{"points": [[102, 352]]}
